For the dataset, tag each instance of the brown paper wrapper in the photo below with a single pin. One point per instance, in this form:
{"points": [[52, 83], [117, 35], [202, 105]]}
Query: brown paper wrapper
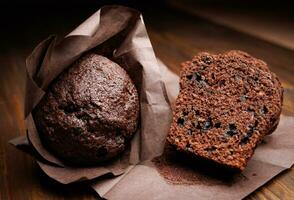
{"points": [[174, 179], [118, 33]]}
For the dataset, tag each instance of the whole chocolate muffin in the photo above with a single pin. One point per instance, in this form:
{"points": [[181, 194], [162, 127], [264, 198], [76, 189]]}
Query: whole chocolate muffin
{"points": [[226, 105], [89, 112]]}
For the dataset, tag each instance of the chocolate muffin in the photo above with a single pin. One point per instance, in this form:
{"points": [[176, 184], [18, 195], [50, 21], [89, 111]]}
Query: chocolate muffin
{"points": [[226, 105], [89, 112]]}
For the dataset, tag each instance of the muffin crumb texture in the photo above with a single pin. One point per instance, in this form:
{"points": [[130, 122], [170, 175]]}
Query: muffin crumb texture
{"points": [[89, 112], [226, 105]]}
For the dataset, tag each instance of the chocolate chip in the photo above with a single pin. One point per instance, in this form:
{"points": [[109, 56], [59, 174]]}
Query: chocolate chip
{"points": [[213, 76], [255, 77], [209, 149], [197, 112], [189, 77], [272, 119], [180, 122], [217, 125], [198, 126], [231, 133], [185, 113], [245, 139], [207, 125], [70, 108], [232, 126], [264, 110], [197, 76]]}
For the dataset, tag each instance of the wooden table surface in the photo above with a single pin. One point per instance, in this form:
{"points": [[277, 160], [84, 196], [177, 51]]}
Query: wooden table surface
{"points": [[176, 37]]}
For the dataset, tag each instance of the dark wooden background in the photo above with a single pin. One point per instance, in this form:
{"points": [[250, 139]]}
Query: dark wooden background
{"points": [[176, 37]]}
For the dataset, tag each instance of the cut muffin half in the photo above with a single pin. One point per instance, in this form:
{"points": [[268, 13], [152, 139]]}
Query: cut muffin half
{"points": [[226, 105]]}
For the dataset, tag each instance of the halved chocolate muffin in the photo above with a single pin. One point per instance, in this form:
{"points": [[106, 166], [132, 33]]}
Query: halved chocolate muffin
{"points": [[226, 105]]}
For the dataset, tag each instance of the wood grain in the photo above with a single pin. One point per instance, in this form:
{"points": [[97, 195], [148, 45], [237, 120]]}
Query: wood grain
{"points": [[176, 37], [250, 17]]}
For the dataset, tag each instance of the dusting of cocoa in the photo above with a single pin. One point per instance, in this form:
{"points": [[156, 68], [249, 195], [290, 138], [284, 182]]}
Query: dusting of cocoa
{"points": [[181, 169]]}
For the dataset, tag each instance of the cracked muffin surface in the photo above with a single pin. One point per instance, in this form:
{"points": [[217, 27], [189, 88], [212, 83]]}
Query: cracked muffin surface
{"points": [[226, 105], [89, 112]]}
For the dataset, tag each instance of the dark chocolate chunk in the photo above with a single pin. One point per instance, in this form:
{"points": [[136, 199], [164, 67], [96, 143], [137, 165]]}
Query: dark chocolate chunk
{"points": [[264, 110], [70, 108], [210, 149], [197, 112], [231, 133], [197, 76], [185, 112], [180, 122], [213, 76], [217, 125], [245, 139], [207, 125], [232, 126], [256, 123], [189, 77], [199, 126]]}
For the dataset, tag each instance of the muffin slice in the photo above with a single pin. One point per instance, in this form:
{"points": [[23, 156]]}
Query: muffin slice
{"points": [[226, 105]]}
